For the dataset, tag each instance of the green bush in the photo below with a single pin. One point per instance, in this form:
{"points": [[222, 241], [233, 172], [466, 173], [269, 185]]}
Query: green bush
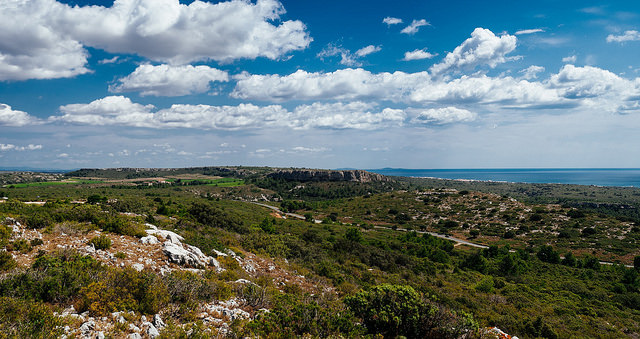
{"points": [[6, 261], [101, 242], [293, 315], [398, 310], [52, 278], [28, 319], [36, 242], [20, 245]]}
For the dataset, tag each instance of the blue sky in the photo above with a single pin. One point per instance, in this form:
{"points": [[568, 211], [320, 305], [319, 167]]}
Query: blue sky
{"points": [[329, 84]]}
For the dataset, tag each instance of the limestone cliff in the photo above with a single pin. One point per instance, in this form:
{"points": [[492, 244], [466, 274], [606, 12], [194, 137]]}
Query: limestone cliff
{"points": [[327, 175]]}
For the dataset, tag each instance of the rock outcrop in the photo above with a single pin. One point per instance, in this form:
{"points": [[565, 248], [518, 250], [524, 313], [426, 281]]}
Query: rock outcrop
{"points": [[327, 175]]}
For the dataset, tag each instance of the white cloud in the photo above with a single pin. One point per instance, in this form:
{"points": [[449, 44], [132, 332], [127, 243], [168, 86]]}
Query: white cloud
{"points": [[482, 89], [30, 48], [529, 31], [364, 51], [415, 26], [632, 35], [10, 117], [391, 21], [344, 84], [531, 72], [355, 115], [112, 110], [444, 115], [588, 82], [418, 54], [482, 48], [346, 57], [120, 111], [302, 149], [44, 39], [12, 147], [167, 80], [570, 59], [113, 60]]}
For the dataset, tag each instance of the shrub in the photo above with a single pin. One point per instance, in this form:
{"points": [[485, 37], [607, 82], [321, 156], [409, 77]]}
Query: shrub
{"points": [[53, 278], [36, 242], [124, 289], [485, 285], [6, 261], [21, 245], [101, 242], [28, 319], [547, 254], [398, 310]]}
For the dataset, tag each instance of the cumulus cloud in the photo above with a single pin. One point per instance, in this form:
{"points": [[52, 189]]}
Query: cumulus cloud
{"points": [[354, 115], [121, 111], [112, 110], [364, 51], [531, 72], [529, 31], [31, 47], [482, 48], [632, 35], [444, 115], [570, 59], [418, 54], [344, 84], [415, 26], [391, 21], [167, 80], [482, 89], [587, 82], [14, 118], [44, 39]]}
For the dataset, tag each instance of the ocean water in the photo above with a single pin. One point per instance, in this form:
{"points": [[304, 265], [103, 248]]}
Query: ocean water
{"points": [[582, 176]]}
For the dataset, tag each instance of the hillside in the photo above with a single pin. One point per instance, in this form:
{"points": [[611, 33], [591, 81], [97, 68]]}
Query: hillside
{"points": [[188, 252]]}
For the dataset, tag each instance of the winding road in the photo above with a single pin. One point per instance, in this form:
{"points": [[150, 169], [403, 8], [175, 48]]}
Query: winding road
{"points": [[438, 235]]}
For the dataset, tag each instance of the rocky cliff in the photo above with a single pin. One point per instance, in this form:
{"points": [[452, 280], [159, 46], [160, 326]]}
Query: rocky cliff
{"points": [[327, 175]]}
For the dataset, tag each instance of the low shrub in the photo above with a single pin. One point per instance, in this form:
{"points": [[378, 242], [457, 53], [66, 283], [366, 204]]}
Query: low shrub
{"points": [[101, 242]]}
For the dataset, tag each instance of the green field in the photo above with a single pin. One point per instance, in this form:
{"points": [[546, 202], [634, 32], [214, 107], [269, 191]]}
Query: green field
{"points": [[53, 183]]}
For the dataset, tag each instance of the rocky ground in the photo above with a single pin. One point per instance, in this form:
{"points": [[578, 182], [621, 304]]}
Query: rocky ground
{"points": [[161, 251]]}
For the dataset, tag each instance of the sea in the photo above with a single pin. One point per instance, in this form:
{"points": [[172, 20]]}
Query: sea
{"points": [[624, 177]]}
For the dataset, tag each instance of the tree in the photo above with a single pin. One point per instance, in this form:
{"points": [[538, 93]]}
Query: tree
{"points": [[354, 235], [547, 254], [636, 262]]}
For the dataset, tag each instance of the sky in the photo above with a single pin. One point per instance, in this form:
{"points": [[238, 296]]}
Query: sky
{"points": [[319, 84]]}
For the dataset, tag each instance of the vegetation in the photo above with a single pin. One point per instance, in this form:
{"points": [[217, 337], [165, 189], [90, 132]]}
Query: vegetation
{"points": [[378, 260]]}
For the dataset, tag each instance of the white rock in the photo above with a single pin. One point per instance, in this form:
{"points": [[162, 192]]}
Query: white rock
{"points": [[243, 281], [220, 254], [152, 332], [138, 267], [87, 327], [168, 235], [149, 240], [134, 328], [134, 336], [157, 322], [153, 227], [143, 319], [99, 335]]}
